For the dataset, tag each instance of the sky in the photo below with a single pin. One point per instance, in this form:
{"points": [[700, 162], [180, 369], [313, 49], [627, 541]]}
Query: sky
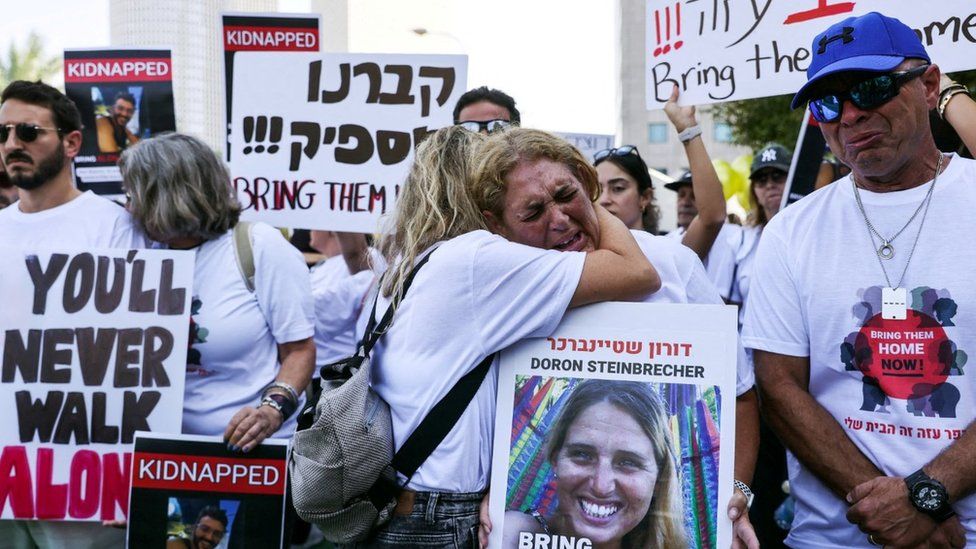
{"points": [[557, 58]]}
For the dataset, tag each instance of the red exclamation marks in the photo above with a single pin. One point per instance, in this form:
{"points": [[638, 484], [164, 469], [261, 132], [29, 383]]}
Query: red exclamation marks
{"points": [[665, 39]]}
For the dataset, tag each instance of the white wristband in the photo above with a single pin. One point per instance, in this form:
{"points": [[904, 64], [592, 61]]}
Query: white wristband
{"points": [[690, 133]]}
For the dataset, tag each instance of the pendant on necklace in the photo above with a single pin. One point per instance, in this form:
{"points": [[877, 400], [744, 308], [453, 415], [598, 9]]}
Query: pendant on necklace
{"points": [[886, 251]]}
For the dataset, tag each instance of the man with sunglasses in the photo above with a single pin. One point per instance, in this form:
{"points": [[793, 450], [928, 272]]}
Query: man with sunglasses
{"points": [[486, 110], [40, 133], [861, 378]]}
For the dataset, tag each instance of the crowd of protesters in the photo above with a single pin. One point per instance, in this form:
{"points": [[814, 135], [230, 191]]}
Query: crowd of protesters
{"points": [[515, 228]]}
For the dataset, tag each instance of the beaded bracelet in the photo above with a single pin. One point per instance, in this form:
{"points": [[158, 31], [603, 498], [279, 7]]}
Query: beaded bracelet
{"points": [[282, 385]]}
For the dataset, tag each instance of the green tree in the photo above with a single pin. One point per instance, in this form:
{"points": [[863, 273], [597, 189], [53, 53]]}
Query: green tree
{"points": [[29, 62], [756, 122]]}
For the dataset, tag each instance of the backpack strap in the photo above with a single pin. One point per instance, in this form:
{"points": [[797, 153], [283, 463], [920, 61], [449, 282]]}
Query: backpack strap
{"points": [[244, 253], [440, 420]]}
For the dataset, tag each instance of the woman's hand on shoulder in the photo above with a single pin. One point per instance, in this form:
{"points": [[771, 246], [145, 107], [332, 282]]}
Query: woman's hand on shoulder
{"points": [[250, 426]]}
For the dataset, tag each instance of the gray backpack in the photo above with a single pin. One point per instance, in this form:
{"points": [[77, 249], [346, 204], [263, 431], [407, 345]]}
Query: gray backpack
{"points": [[342, 465]]}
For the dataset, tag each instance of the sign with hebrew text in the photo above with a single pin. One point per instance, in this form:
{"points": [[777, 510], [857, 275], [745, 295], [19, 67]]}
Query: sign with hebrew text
{"points": [[324, 141], [721, 51], [618, 430]]}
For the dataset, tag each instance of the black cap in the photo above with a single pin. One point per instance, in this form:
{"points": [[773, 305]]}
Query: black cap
{"points": [[771, 156], [685, 179]]}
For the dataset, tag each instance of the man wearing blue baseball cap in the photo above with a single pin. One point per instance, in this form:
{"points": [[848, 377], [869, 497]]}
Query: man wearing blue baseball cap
{"points": [[862, 312]]}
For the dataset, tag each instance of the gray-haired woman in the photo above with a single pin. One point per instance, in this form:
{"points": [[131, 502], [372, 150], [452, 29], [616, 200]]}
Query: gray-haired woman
{"points": [[251, 352]]}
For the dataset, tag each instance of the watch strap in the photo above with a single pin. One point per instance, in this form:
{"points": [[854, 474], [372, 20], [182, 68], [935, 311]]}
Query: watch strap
{"points": [[689, 133], [746, 491], [942, 513]]}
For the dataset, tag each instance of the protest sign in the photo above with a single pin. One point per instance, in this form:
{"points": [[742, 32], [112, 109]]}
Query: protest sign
{"points": [[721, 51], [805, 166], [124, 95], [588, 144], [582, 414], [94, 349], [179, 479], [326, 142], [280, 32]]}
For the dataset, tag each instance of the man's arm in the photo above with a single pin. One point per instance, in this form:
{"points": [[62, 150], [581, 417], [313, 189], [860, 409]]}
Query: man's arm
{"points": [[805, 427], [746, 449], [881, 505], [746, 435], [955, 467], [106, 136]]}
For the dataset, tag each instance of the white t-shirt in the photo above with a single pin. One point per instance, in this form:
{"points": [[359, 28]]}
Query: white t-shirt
{"points": [[338, 297], [478, 294], [817, 294], [683, 280], [744, 259], [234, 333], [85, 222], [720, 263]]}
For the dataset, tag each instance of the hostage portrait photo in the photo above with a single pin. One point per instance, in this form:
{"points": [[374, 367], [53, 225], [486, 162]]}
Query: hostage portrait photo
{"points": [[596, 462]]}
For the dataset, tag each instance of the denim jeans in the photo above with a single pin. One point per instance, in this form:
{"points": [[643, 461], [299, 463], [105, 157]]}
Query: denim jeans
{"points": [[438, 520]]}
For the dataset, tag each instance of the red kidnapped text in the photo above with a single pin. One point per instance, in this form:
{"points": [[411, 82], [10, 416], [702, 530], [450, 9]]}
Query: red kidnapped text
{"points": [[270, 38], [127, 70], [209, 473]]}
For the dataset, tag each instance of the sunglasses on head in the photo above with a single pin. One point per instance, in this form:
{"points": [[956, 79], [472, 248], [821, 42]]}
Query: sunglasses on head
{"points": [[626, 150], [24, 131], [489, 126], [866, 95]]}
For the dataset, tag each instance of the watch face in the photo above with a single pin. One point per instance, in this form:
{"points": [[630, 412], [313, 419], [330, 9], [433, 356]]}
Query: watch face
{"points": [[928, 496]]}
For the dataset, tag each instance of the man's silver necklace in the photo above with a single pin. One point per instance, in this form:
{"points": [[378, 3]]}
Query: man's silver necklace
{"points": [[886, 250]]}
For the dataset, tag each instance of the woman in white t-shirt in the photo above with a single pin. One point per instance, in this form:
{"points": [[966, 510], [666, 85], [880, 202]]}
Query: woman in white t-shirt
{"points": [[251, 352], [536, 189], [477, 294]]}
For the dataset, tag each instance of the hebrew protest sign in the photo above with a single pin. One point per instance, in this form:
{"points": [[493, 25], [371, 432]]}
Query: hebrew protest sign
{"points": [[324, 141], [93, 348], [124, 95], [192, 488], [280, 32], [588, 144], [620, 424], [720, 50]]}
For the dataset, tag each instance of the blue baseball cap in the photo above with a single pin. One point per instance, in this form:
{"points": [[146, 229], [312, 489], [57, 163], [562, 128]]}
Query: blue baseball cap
{"points": [[870, 43]]}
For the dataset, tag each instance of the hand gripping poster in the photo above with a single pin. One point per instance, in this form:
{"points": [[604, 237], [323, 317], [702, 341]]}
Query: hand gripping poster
{"points": [[618, 430], [93, 348], [191, 491], [327, 141], [124, 96]]}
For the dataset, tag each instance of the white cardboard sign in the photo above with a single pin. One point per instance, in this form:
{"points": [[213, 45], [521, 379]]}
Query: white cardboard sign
{"points": [[93, 348], [678, 363], [722, 51], [324, 141]]}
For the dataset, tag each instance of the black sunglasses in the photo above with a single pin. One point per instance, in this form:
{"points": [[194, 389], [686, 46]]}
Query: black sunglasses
{"points": [[489, 126], [24, 131], [868, 94], [626, 150]]}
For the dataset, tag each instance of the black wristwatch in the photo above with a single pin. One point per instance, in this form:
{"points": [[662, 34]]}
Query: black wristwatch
{"points": [[929, 496]]}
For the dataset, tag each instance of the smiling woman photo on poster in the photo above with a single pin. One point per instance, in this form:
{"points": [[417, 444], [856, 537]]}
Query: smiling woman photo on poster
{"points": [[614, 470]]}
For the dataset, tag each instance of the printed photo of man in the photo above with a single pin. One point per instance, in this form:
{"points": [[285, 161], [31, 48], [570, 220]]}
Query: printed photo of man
{"points": [[113, 133]]}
